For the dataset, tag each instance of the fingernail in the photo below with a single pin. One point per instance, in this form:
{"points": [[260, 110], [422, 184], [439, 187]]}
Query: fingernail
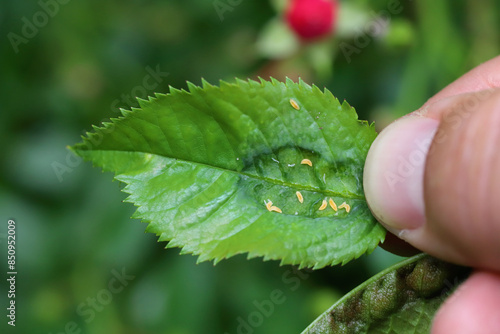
{"points": [[394, 173]]}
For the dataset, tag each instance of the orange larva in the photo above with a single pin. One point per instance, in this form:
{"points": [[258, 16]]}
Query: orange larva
{"points": [[294, 104], [271, 207], [345, 206], [306, 162], [332, 204], [323, 205], [300, 197], [275, 209]]}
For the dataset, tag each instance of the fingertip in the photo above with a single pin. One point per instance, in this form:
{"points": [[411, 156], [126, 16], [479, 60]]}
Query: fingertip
{"points": [[472, 308], [394, 171], [443, 199], [462, 183]]}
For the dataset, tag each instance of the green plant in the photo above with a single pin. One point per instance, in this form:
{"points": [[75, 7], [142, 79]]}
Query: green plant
{"points": [[266, 168]]}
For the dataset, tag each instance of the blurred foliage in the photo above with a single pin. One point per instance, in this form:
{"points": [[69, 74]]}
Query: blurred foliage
{"points": [[91, 57]]}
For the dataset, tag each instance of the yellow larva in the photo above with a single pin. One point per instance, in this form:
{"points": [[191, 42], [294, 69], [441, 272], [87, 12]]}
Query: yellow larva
{"points": [[300, 197], [345, 206], [294, 104], [332, 204], [271, 207], [323, 205], [275, 209], [306, 162]]}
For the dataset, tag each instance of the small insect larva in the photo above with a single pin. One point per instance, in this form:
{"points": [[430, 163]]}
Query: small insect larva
{"points": [[291, 165], [294, 104], [300, 197], [306, 162], [275, 160], [323, 205], [332, 204], [345, 206], [271, 207], [275, 209]]}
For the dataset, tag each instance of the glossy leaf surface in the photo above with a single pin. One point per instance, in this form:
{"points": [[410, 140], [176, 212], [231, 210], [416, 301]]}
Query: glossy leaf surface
{"points": [[203, 165]]}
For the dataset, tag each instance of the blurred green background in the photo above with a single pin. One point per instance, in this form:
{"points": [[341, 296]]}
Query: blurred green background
{"points": [[77, 66]]}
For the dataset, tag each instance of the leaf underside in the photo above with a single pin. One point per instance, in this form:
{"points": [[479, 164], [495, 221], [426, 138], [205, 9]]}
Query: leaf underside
{"points": [[401, 299], [202, 166]]}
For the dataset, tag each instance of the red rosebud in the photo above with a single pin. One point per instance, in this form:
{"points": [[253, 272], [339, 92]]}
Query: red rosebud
{"points": [[311, 19]]}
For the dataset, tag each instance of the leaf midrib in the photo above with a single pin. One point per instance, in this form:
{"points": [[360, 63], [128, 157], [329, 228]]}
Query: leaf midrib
{"points": [[257, 177]]}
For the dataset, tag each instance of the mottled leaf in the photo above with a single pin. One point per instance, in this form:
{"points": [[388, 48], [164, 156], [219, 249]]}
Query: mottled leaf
{"points": [[400, 300]]}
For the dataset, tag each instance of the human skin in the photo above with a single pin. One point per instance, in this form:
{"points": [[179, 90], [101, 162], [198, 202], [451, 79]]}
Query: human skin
{"points": [[432, 178]]}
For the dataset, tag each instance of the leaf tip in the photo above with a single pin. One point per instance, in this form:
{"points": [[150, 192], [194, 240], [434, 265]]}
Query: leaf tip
{"points": [[205, 83], [192, 87]]}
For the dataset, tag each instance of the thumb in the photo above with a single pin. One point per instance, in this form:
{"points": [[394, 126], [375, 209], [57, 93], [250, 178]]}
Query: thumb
{"points": [[433, 179]]}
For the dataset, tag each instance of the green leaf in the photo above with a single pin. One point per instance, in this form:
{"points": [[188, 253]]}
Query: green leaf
{"points": [[401, 299], [200, 166]]}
